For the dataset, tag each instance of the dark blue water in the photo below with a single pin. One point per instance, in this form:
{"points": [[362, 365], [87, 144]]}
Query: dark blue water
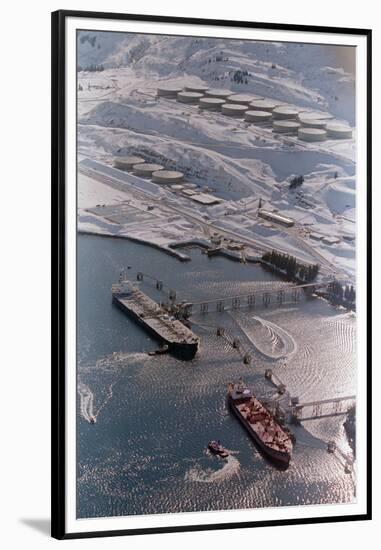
{"points": [[155, 415]]}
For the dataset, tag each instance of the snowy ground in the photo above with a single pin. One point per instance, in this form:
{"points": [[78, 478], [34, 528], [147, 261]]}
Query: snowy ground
{"points": [[119, 114]]}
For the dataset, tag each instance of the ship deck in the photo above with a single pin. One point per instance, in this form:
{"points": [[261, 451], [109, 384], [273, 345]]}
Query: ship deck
{"points": [[150, 312], [265, 427]]}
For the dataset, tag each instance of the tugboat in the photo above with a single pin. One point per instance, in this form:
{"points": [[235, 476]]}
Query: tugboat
{"points": [[160, 351], [216, 448]]}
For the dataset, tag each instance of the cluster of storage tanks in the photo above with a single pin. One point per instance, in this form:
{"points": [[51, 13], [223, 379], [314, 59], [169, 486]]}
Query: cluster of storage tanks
{"points": [[156, 172], [284, 119]]}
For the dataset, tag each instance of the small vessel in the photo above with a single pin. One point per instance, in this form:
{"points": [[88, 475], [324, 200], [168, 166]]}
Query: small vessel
{"points": [[160, 351], [275, 442], [92, 420], [216, 448]]}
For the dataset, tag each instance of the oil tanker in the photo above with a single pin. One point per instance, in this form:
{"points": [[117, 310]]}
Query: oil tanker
{"points": [[166, 329], [269, 436]]}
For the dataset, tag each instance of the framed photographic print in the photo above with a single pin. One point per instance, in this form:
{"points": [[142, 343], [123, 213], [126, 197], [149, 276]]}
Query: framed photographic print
{"points": [[211, 250]]}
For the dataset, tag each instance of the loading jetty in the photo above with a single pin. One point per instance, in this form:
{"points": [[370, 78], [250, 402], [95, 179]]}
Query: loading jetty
{"points": [[170, 332]]}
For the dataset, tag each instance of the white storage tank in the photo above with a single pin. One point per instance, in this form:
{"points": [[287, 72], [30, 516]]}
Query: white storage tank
{"points": [[312, 134], [257, 116], [200, 89], [218, 93], [167, 176], [312, 122], [126, 163], [339, 131], [285, 112], [263, 105], [231, 109], [242, 99], [168, 90], [211, 103], [189, 97], [145, 169], [286, 126]]}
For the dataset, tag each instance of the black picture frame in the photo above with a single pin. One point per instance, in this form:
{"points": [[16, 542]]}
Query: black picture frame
{"points": [[58, 315]]}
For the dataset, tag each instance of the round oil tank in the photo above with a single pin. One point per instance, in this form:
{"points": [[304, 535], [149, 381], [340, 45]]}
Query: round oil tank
{"points": [[339, 131], [257, 116], [284, 126], [232, 109], [189, 97], [312, 134], [218, 93], [211, 103], [284, 112], [241, 99], [146, 169], [263, 105], [168, 91], [167, 176], [312, 122], [126, 163], [199, 89]]}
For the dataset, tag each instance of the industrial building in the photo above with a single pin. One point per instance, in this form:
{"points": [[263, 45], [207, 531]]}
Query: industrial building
{"points": [[205, 198], [197, 88], [168, 91], [167, 177], [189, 97], [284, 112], [316, 236], [218, 93], [339, 131], [331, 240], [263, 105], [211, 103], [276, 218], [286, 126], [312, 134], [145, 169], [257, 116], [231, 109], [189, 192], [126, 163]]}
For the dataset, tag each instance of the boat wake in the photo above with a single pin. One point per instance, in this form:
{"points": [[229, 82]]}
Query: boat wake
{"points": [[230, 468], [121, 359], [269, 339], [86, 405]]}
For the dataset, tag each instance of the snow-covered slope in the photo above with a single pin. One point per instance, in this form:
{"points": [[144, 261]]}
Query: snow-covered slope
{"points": [[119, 114]]}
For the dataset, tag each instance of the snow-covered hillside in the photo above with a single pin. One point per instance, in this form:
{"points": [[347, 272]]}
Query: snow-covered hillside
{"points": [[120, 113]]}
